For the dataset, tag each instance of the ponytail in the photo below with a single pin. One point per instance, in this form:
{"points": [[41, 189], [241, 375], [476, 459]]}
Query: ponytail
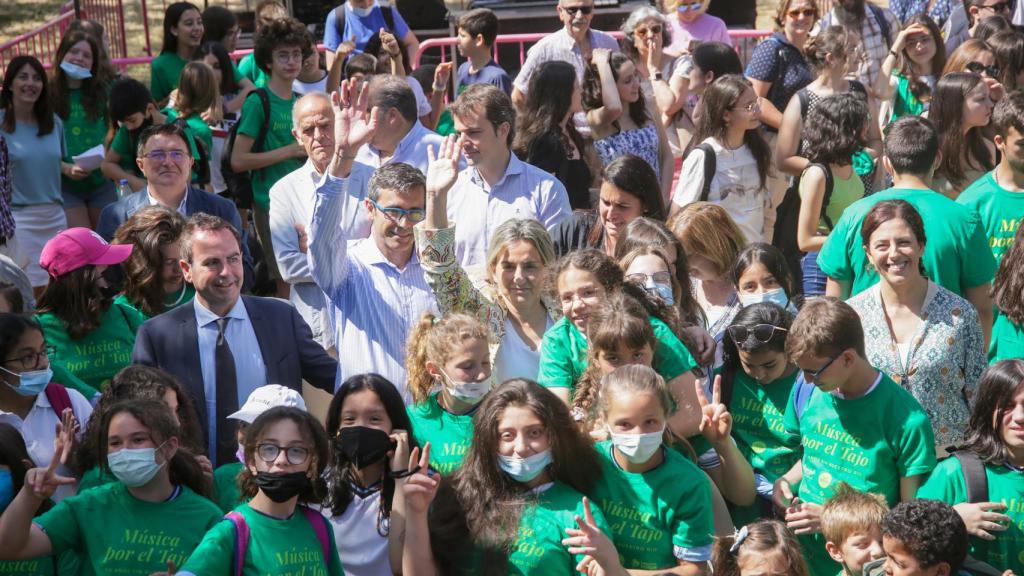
{"points": [[432, 339]]}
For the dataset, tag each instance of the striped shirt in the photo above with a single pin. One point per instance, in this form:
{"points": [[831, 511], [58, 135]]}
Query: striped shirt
{"points": [[374, 303], [6, 218]]}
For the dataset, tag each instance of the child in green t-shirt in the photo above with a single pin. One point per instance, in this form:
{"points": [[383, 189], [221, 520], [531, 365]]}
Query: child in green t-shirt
{"points": [[152, 517], [285, 450], [13, 456], [764, 547], [658, 503], [450, 372], [183, 33], [133, 108], [850, 523], [197, 94], [280, 49], [921, 538], [918, 51], [857, 426]]}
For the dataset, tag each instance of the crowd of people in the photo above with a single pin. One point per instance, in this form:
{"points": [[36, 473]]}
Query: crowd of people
{"points": [[639, 307]]}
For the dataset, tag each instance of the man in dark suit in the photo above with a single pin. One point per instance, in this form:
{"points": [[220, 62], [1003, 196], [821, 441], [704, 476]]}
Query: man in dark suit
{"points": [[224, 345]]}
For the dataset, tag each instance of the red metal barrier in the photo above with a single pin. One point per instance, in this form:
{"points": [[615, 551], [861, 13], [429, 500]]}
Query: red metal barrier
{"points": [[109, 13], [41, 42]]}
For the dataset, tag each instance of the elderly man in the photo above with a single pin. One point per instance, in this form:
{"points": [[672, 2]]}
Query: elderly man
{"points": [[573, 43], [376, 285], [291, 210], [400, 136]]}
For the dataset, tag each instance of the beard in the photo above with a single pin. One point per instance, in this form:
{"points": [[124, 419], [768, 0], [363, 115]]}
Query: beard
{"points": [[850, 13]]}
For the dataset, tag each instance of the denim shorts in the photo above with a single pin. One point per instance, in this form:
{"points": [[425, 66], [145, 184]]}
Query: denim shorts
{"points": [[97, 199]]}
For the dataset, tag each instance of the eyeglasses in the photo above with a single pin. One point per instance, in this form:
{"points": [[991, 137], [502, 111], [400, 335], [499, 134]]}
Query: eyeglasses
{"points": [[572, 10], [763, 333], [997, 7], [805, 12], [662, 277], [32, 359], [979, 68], [415, 215], [269, 453], [689, 7], [288, 56], [754, 105], [652, 31], [813, 376], [161, 155], [922, 39]]}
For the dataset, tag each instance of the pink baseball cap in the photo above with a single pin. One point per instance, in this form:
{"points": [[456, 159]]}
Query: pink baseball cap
{"points": [[76, 247]]}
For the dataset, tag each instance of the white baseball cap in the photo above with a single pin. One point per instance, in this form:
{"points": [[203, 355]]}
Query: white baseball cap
{"points": [[265, 398]]}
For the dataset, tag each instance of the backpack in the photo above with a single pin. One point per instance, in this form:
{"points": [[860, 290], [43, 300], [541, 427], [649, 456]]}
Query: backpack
{"points": [[202, 165], [58, 397], [787, 220], [316, 520], [240, 184], [710, 165], [373, 45], [883, 24]]}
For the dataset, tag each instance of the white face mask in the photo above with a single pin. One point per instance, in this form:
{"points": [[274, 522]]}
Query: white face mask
{"points": [[777, 296], [364, 12], [470, 392], [525, 469], [638, 448]]}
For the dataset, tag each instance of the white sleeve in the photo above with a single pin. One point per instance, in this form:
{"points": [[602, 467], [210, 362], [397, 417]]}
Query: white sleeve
{"points": [[691, 179]]}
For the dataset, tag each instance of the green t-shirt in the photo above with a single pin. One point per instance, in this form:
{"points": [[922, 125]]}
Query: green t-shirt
{"points": [[758, 412], [225, 486], [904, 103], [279, 135], [868, 442], [32, 567], [1007, 340], [449, 434], [656, 515], [281, 547], [956, 255], [247, 67], [1005, 485], [563, 354], [94, 477], [164, 73], [116, 533], [126, 147], [1000, 211], [69, 380], [844, 193], [101, 353], [171, 301], [80, 134], [445, 123]]}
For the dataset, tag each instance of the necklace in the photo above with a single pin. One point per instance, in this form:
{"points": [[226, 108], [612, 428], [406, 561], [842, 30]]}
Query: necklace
{"points": [[181, 296]]}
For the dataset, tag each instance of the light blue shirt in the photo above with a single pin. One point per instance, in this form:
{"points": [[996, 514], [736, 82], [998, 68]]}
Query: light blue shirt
{"points": [[374, 303], [411, 150], [250, 371], [35, 163]]}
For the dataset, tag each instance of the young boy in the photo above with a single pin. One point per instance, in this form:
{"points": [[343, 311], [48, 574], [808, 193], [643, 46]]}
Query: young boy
{"points": [[477, 30], [267, 11], [133, 108], [857, 426], [280, 49], [921, 538], [850, 523]]}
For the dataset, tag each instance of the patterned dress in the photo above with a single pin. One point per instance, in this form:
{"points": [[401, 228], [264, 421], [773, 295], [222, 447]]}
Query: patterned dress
{"points": [[946, 356], [642, 142]]}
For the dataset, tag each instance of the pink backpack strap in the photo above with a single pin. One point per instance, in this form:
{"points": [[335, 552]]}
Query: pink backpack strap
{"points": [[241, 540], [319, 524], [58, 397]]}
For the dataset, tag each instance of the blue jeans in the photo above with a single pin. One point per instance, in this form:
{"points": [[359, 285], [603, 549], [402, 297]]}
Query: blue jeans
{"points": [[813, 278]]}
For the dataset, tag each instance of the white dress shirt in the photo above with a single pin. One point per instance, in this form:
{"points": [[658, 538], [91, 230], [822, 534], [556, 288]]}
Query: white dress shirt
{"points": [[291, 203], [411, 149], [524, 191], [375, 303], [250, 372], [180, 207]]}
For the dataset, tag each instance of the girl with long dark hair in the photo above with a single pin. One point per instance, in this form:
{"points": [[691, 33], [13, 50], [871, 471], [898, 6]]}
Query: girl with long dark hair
{"points": [[182, 36], [961, 110]]}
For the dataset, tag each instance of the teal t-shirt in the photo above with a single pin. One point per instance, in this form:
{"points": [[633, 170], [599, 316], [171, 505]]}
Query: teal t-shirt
{"points": [[80, 134], [956, 255], [1005, 485], [656, 516], [99, 355], [164, 72], [171, 301], [1000, 211], [281, 547], [116, 533], [247, 67], [225, 486], [563, 354], [758, 427], [1007, 340], [94, 477], [126, 147], [279, 135], [449, 434]]}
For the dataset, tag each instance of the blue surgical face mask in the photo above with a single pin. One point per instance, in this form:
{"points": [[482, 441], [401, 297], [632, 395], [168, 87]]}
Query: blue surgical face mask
{"points": [[364, 12], [661, 290], [525, 469], [31, 383], [6, 489], [777, 296], [74, 71], [134, 467]]}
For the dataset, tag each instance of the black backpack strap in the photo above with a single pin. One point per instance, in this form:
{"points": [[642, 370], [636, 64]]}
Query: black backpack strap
{"points": [[805, 102], [974, 476], [710, 166], [388, 12], [339, 21], [883, 24], [829, 185]]}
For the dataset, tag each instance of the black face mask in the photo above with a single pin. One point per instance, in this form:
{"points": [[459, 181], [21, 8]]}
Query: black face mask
{"points": [[363, 446], [281, 487]]}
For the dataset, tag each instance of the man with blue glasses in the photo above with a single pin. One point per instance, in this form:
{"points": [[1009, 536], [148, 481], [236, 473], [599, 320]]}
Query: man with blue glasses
{"points": [[376, 285]]}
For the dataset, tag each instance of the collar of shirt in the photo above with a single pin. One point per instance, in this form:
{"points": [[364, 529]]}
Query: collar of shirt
{"points": [[515, 167], [565, 40], [310, 170], [42, 402], [369, 253], [204, 316], [180, 208]]}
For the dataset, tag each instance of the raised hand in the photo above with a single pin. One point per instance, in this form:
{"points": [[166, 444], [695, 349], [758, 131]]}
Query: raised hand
{"points": [[420, 488], [588, 539], [653, 56], [442, 74], [716, 421], [983, 518], [390, 43], [400, 455], [346, 48], [599, 55], [443, 169], [353, 126], [43, 482], [66, 437]]}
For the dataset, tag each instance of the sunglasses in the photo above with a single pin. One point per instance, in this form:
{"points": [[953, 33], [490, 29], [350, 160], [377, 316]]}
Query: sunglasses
{"points": [[763, 333], [652, 31], [807, 12], [689, 7], [572, 10], [641, 278], [979, 68], [813, 376], [415, 215]]}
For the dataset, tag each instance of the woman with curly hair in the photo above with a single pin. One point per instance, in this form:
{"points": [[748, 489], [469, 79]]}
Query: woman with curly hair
{"points": [[153, 281]]}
